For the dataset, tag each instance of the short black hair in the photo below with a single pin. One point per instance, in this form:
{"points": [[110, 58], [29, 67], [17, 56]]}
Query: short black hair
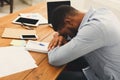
{"points": [[59, 15]]}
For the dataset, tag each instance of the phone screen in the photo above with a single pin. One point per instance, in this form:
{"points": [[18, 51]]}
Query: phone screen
{"points": [[27, 20], [29, 37]]}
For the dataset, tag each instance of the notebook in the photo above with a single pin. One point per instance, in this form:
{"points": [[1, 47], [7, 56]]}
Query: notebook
{"points": [[16, 33], [37, 46]]}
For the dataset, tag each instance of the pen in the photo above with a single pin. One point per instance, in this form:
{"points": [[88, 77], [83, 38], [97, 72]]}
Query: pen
{"points": [[26, 27], [43, 24], [41, 44]]}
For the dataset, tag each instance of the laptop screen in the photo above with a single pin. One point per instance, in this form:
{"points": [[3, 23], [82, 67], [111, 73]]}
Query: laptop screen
{"points": [[52, 5]]}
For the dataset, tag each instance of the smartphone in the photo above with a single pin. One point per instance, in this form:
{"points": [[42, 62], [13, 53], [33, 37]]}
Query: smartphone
{"points": [[28, 37]]}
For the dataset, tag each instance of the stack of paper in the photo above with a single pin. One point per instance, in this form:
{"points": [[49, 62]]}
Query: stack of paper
{"points": [[15, 59], [37, 46]]}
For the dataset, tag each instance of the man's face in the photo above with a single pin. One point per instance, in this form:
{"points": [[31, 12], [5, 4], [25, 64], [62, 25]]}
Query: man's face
{"points": [[71, 25], [68, 30]]}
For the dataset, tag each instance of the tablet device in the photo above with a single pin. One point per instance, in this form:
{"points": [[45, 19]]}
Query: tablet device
{"points": [[26, 21]]}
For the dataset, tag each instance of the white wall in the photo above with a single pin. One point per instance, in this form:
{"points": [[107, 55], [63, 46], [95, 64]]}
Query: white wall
{"points": [[78, 4], [84, 5], [113, 5]]}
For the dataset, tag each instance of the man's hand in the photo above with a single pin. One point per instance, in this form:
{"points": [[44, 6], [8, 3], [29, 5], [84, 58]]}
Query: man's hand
{"points": [[57, 40]]}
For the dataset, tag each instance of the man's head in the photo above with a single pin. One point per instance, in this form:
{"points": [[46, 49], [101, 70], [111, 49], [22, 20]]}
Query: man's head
{"points": [[66, 20]]}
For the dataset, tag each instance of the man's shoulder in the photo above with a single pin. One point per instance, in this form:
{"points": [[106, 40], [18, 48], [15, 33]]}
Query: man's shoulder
{"points": [[103, 10]]}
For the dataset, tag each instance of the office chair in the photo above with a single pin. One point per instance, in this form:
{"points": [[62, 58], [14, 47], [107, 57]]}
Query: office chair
{"points": [[10, 2]]}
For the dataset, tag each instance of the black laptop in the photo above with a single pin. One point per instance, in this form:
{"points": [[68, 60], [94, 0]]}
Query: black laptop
{"points": [[51, 5]]}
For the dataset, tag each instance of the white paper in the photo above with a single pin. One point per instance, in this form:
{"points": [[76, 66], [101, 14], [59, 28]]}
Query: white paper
{"points": [[18, 43], [15, 59], [37, 46]]}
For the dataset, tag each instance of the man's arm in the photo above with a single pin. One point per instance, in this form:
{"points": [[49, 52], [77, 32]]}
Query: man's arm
{"points": [[57, 40], [87, 40]]}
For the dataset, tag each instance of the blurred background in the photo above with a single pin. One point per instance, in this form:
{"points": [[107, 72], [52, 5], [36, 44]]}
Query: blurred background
{"points": [[82, 5]]}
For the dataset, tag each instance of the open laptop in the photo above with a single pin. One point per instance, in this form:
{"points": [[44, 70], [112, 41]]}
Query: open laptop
{"points": [[51, 5]]}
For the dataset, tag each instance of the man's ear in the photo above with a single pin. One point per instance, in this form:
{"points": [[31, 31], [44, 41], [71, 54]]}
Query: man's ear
{"points": [[67, 20]]}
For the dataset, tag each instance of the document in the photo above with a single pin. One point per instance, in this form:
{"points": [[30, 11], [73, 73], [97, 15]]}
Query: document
{"points": [[15, 59], [18, 43], [37, 46]]}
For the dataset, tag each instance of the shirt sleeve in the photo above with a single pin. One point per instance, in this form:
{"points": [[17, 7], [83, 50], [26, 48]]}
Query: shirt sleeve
{"points": [[88, 39]]}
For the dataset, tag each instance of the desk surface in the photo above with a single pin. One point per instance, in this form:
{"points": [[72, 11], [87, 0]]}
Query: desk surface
{"points": [[44, 71]]}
